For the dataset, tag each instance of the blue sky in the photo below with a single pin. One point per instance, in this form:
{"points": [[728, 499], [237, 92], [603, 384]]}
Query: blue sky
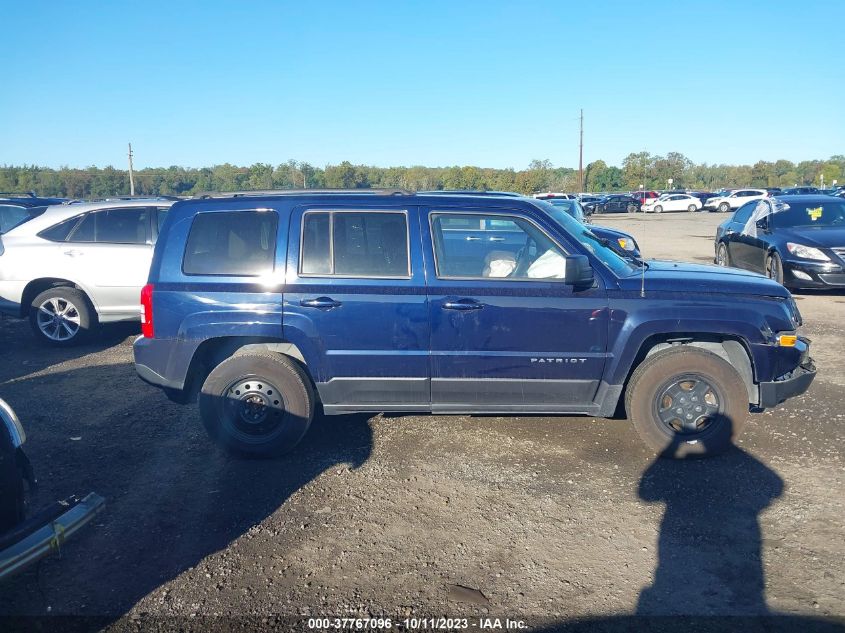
{"points": [[489, 83]]}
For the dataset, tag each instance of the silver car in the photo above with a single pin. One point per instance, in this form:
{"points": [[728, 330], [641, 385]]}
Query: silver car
{"points": [[78, 265]]}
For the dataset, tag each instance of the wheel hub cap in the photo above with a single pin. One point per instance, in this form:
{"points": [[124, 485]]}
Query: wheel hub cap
{"points": [[688, 405]]}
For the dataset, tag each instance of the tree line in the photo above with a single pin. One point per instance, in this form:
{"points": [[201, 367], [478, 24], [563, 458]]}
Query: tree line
{"points": [[638, 169]]}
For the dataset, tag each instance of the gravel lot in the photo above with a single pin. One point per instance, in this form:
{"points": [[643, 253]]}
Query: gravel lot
{"points": [[545, 519]]}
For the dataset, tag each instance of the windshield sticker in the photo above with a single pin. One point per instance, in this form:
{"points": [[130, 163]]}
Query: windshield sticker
{"points": [[815, 213]]}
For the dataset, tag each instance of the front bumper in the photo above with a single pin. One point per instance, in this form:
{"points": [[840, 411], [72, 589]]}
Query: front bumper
{"points": [[793, 383], [821, 275]]}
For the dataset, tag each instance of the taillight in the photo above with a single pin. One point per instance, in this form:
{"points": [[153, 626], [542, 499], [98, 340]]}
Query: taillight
{"points": [[147, 311]]}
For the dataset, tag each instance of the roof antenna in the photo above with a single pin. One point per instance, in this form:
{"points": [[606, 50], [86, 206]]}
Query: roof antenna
{"points": [[642, 279]]}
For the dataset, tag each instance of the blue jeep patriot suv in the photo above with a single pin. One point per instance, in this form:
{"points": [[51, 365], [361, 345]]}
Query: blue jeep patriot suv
{"points": [[263, 304]]}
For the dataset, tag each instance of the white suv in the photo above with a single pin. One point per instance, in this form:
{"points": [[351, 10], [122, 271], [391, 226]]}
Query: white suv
{"points": [[732, 200], [78, 265]]}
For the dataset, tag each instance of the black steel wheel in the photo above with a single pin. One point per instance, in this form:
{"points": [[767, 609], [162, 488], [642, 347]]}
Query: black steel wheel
{"points": [[685, 401], [257, 404]]}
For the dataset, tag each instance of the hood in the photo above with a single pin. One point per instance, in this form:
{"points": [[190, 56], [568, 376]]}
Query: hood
{"points": [[696, 278], [603, 231], [824, 236]]}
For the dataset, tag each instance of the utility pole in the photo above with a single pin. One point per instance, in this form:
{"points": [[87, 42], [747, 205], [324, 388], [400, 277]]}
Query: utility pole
{"points": [[131, 175], [581, 156]]}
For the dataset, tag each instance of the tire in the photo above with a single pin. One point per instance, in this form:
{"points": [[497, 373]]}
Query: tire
{"points": [[774, 268], [258, 405], [632, 208], [667, 374], [62, 316], [724, 207], [723, 256], [658, 209], [692, 208]]}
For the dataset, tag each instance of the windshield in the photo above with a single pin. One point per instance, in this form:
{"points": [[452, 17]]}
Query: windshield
{"points": [[572, 207], [596, 245], [809, 214]]}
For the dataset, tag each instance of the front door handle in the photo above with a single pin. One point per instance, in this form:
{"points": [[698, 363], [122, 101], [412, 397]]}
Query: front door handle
{"points": [[73, 252], [319, 302], [463, 304]]}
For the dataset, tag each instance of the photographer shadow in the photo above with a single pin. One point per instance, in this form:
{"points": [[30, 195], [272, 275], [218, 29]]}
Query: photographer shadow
{"points": [[710, 542]]}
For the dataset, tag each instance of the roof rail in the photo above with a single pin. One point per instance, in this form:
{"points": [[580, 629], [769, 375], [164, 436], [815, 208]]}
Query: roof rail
{"points": [[18, 194], [293, 192], [470, 192], [150, 197]]}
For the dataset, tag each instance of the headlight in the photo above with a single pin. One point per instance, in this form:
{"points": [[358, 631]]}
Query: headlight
{"points": [[628, 245], [806, 252]]}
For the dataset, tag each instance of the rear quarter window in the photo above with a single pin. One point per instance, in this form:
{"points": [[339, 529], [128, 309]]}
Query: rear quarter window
{"points": [[231, 243], [59, 232]]}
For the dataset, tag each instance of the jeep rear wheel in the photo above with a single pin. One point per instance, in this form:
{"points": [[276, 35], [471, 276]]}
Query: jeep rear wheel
{"points": [[686, 402], [257, 404], [724, 207]]}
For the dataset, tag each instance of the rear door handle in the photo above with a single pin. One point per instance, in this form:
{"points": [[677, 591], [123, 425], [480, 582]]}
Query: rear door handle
{"points": [[463, 304], [73, 252], [497, 239], [319, 302]]}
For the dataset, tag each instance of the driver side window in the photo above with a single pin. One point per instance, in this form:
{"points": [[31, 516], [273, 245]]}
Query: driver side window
{"points": [[493, 246]]}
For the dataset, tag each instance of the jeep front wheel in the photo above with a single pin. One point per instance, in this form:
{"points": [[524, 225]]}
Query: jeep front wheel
{"points": [[686, 402], [257, 404]]}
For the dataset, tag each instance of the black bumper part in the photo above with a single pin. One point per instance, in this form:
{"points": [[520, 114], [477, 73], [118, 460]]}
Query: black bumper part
{"points": [[796, 383]]}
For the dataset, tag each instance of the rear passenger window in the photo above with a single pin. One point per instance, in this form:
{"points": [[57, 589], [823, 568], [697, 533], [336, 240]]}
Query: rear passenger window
{"points": [[113, 226], [235, 243], [355, 244]]}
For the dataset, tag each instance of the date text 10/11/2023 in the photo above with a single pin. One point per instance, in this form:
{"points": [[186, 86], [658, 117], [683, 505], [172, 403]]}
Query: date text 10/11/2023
{"points": [[416, 624]]}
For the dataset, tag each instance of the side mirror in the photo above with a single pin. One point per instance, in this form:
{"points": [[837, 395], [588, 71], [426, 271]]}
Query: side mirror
{"points": [[578, 271], [763, 224]]}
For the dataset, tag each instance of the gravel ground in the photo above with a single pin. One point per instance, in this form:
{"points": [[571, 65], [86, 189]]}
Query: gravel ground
{"points": [[547, 519]]}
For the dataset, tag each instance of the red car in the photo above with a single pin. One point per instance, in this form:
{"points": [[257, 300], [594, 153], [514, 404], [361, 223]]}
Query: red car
{"points": [[644, 196]]}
